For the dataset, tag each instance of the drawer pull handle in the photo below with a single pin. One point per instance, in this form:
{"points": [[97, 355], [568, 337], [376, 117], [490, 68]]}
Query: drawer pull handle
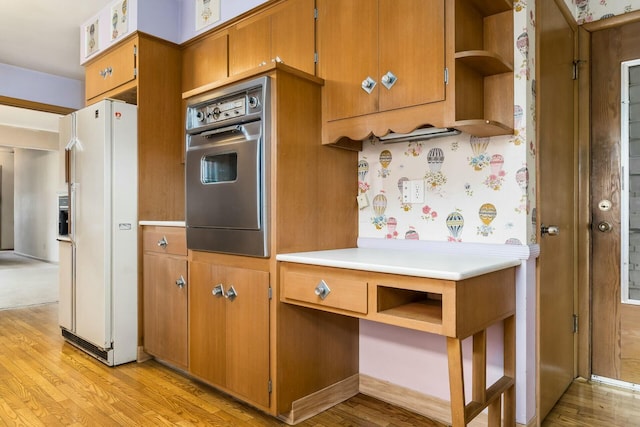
{"points": [[163, 242], [322, 289], [368, 84], [218, 290], [231, 293], [181, 282], [106, 72]]}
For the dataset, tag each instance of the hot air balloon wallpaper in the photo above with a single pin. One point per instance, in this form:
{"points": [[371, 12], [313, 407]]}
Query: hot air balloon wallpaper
{"points": [[480, 158], [496, 178], [414, 149], [392, 233], [434, 178], [363, 169], [379, 208], [523, 46], [455, 223], [385, 161], [487, 213], [411, 234], [429, 214]]}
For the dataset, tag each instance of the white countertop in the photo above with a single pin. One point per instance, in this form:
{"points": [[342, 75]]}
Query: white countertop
{"points": [[410, 263]]}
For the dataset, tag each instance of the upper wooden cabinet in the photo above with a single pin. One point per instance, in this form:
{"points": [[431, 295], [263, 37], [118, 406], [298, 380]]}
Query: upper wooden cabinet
{"points": [[400, 65], [205, 61], [283, 33], [111, 70], [379, 55]]}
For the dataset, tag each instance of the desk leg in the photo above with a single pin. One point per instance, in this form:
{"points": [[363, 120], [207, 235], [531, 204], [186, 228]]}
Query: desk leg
{"points": [[510, 370], [456, 382]]}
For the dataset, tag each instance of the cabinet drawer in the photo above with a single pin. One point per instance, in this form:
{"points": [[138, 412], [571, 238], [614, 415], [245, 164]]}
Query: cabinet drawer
{"points": [[114, 69], [300, 283], [153, 238]]}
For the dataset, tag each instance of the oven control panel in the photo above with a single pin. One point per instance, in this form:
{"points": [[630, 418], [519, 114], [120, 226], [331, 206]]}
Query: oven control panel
{"points": [[226, 110]]}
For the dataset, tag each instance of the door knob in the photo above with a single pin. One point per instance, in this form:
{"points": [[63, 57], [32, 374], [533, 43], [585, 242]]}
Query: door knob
{"points": [[322, 289], [218, 290], [231, 293], [604, 226], [181, 282], [551, 230]]}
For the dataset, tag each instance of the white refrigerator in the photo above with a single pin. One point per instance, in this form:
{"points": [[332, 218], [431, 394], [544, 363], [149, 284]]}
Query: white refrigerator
{"points": [[98, 303]]}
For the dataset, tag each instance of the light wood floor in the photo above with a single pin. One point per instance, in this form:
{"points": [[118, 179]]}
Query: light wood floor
{"points": [[45, 382]]}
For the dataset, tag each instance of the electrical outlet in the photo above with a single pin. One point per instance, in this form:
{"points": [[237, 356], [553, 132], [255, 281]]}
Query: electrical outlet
{"points": [[417, 191]]}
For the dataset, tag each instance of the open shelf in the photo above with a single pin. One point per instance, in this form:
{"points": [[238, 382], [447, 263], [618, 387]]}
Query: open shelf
{"points": [[410, 304], [491, 7], [484, 62]]}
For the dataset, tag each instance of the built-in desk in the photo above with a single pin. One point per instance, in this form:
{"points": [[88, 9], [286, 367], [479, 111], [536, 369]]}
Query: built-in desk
{"points": [[436, 293]]}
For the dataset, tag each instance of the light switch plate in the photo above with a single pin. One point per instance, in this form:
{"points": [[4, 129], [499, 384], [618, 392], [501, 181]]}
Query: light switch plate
{"points": [[363, 201]]}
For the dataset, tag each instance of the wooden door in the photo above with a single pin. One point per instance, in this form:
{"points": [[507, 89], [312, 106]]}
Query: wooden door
{"points": [[247, 339], [207, 326], [205, 61], [348, 55], [165, 308], [615, 325], [411, 46], [556, 203]]}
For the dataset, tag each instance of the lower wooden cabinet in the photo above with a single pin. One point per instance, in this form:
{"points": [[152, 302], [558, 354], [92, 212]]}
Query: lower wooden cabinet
{"points": [[229, 329], [165, 295]]}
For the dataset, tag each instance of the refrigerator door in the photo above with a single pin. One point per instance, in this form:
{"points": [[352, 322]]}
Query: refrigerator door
{"points": [[65, 279], [91, 218]]}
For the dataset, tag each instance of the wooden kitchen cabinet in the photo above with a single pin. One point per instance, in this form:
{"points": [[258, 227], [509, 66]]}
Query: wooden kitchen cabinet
{"points": [[451, 65], [229, 329], [165, 294], [155, 89], [115, 68], [366, 39], [284, 33], [205, 60]]}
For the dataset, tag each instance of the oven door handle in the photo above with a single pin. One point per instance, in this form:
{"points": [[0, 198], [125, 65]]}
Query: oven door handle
{"points": [[228, 129]]}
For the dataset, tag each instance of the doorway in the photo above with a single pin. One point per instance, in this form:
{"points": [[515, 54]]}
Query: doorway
{"points": [[615, 334]]}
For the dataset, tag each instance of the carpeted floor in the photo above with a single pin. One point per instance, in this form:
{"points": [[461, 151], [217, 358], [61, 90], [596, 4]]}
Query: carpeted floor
{"points": [[25, 281]]}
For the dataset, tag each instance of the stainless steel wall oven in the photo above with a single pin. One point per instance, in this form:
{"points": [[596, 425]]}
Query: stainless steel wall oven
{"points": [[227, 151]]}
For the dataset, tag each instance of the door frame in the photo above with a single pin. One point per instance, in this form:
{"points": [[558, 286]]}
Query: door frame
{"points": [[583, 236]]}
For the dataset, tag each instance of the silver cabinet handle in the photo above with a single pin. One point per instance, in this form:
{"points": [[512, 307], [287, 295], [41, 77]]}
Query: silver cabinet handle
{"points": [[322, 289], [231, 293], [218, 290], [163, 242], [181, 282], [552, 230], [389, 79], [106, 72], [368, 84], [278, 60]]}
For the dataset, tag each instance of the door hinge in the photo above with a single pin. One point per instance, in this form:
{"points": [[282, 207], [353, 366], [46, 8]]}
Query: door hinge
{"points": [[315, 13], [270, 293], [269, 386], [575, 323], [575, 70], [446, 76], [315, 57]]}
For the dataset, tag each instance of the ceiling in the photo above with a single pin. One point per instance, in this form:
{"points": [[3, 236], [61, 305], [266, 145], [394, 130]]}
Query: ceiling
{"points": [[42, 35]]}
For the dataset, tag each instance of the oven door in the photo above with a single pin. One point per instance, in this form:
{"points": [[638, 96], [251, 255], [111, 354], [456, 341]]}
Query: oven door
{"points": [[225, 194]]}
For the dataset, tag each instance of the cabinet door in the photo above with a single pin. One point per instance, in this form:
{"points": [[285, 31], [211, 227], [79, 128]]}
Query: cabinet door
{"points": [[247, 323], [412, 47], [165, 308], [205, 61], [348, 54], [293, 35], [249, 44], [207, 326], [115, 68]]}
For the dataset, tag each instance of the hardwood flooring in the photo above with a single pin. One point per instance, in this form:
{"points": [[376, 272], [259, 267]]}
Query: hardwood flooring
{"points": [[46, 382]]}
